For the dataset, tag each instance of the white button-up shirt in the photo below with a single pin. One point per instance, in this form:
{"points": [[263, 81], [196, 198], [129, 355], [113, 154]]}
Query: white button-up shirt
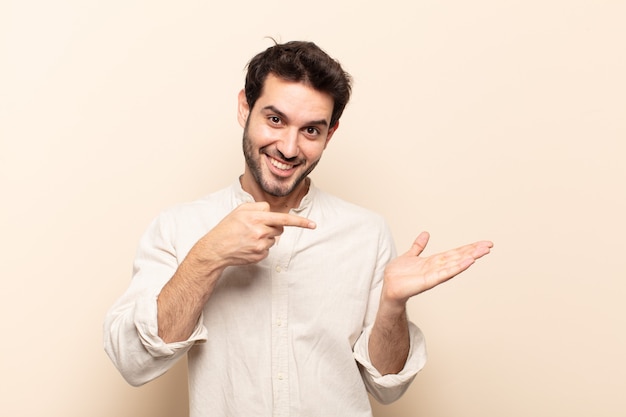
{"points": [[287, 336]]}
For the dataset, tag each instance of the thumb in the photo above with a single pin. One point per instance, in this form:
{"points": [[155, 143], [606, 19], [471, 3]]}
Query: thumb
{"points": [[419, 244]]}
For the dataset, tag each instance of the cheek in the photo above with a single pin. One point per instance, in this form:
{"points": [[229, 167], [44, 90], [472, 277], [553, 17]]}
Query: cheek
{"points": [[262, 135], [313, 149], [268, 134]]}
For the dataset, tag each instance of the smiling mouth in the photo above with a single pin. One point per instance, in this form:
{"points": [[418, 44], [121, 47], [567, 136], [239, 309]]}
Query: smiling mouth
{"points": [[280, 165]]}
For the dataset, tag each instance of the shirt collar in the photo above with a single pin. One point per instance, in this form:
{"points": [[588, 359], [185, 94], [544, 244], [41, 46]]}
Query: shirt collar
{"points": [[241, 196]]}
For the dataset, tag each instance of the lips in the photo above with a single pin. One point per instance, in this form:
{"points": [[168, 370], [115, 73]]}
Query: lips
{"points": [[281, 169], [280, 165]]}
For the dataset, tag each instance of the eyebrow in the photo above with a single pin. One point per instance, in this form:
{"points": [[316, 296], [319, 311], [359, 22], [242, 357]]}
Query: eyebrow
{"points": [[322, 122]]}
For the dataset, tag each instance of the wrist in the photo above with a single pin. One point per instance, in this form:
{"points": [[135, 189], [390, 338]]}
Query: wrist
{"points": [[390, 303], [201, 270]]}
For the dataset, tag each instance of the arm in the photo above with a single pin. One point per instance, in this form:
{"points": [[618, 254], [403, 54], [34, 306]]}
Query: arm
{"points": [[243, 237], [156, 320], [405, 277]]}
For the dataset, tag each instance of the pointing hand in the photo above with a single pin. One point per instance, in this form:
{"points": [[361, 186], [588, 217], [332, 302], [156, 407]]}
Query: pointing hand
{"points": [[246, 235]]}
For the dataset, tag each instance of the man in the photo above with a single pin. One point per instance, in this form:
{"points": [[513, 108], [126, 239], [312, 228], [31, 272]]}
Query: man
{"points": [[287, 300]]}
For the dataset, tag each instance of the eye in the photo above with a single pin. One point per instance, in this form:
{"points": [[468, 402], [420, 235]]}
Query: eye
{"points": [[312, 131], [274, 120]]}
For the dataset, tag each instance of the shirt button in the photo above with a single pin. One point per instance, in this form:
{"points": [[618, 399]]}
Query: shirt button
{"points": [[281, 376], [279, 322], [278, 268]]}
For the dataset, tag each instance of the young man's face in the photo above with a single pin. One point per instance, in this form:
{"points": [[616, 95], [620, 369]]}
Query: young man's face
{"points": [[285, 134]]}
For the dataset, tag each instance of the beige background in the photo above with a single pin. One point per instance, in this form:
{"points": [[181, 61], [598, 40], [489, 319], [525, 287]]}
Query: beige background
{"points": [[500, 120]]}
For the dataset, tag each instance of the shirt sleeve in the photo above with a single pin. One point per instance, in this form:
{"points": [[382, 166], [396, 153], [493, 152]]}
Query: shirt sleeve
{"points": [[388, 388], [130, 327]]}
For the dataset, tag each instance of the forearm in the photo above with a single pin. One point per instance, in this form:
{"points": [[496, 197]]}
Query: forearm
{"points": [[182, 299], [389, 341], [131, 337]]}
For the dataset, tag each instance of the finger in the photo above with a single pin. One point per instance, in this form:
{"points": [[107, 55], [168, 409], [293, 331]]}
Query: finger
{"points": [[445, 266], [455, 261], [419, 244], [277, 219], [451, 270], [478, 249], [482, 249], [286, 219], [475, 250]]}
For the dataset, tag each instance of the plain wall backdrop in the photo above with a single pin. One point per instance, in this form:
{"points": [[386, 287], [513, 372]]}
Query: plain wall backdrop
{"points": [[501, 120]]}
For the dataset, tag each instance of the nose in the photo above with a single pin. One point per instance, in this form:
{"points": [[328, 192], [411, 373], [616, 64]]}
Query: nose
{"points": [[288, 144]]}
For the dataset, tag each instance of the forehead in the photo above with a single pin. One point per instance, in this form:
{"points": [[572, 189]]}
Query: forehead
{"points": [[295, 99]]}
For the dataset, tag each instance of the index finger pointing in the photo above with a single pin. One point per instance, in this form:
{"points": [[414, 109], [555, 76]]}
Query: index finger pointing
{"points": [[286, 219]]}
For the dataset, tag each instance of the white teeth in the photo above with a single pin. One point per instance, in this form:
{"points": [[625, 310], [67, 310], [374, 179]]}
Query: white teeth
{"points": [[279, 165]]}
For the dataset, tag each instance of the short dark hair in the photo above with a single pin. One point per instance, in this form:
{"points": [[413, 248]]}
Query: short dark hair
{"points": [[302, 62]]}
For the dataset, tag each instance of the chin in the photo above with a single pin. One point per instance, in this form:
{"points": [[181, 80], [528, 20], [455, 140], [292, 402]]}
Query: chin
{"points": [[278, 190]]}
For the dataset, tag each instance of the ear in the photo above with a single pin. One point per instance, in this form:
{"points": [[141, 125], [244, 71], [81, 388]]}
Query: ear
{"points": [[243, 110], [331, 132]]}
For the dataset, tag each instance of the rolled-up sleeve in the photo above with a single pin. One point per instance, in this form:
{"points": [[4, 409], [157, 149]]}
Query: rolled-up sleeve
{"points": [[390, 387], [386, 388], [147, 330], [131, 337]]}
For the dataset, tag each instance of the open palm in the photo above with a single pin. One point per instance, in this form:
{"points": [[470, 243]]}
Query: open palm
{"points": [[411, 274]]}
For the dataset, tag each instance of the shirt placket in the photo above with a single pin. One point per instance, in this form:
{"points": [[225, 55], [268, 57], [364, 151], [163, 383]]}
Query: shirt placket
{"points": [[280, 334], [281, 255]]}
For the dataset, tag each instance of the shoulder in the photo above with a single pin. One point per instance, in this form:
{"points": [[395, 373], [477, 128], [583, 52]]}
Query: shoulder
{"points": [[204, 209], [181, 225]]}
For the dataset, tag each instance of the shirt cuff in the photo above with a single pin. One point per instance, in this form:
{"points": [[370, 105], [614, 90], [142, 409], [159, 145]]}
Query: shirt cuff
{"points": [[145, 319], [387, 388]]}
